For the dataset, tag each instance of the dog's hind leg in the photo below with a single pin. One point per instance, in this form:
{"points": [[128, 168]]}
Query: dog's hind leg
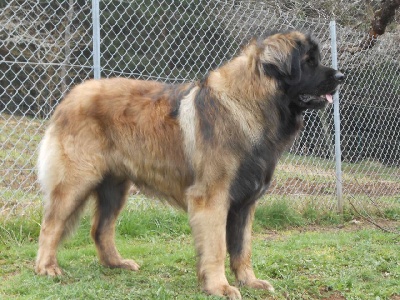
{"points": [[64, 205], [111, 195], [67, 176], [239, 226]]}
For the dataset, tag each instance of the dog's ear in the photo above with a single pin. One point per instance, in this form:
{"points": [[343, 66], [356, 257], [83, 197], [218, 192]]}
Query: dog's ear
{"points": [[287, 69], [272, 70], [295, 67]]}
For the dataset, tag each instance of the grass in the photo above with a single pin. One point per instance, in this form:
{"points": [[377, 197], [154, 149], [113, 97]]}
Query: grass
{"points": [[304, 255]]}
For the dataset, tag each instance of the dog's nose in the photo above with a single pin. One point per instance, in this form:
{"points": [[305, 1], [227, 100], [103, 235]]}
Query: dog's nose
{"points": [[339, 76]]}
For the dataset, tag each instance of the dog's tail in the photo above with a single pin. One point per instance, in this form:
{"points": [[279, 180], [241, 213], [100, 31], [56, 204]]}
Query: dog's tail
{"points": [[53, 176]]}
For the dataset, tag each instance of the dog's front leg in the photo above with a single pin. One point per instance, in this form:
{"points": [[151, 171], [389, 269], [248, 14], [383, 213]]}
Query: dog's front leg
{"points": [[239, 227], [207, 215]]}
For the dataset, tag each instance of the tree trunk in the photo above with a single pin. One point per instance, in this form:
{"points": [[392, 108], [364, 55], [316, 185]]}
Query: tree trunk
{"points": [[382, 18]]}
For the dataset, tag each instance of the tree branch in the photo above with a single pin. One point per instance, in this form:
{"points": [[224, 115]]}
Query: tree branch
{"points": [[382, 18]]}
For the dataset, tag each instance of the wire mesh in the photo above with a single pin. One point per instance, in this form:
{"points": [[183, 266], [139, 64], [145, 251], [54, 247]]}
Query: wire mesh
{"points": [[46, 47]]}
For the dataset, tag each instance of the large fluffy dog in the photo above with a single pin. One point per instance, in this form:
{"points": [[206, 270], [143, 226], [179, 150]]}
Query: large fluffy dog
{"points": [[210, 147]]}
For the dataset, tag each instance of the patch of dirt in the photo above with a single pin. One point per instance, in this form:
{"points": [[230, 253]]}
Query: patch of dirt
{"points": [[328, 294], [353, 225], [273, 235], [296, 186]]}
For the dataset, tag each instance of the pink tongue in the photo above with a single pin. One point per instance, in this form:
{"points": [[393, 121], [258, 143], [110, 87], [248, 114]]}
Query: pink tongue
{"points": [[329, 98]]}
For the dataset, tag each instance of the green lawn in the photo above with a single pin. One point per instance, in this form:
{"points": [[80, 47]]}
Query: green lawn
{"points": [[304, 258]]}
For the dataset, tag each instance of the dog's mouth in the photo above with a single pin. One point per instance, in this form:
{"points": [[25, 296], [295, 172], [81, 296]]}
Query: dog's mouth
{"points": [[309, 101], [307, 98]]}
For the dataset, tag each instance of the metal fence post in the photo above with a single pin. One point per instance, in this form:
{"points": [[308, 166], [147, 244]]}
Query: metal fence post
{"points": [[336, 116], [96, 38]]}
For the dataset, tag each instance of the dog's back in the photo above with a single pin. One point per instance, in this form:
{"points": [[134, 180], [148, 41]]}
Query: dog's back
{"points": [[116, 126]]}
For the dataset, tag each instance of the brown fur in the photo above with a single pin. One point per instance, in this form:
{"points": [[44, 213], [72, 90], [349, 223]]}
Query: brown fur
{"points": [[190, 144]]}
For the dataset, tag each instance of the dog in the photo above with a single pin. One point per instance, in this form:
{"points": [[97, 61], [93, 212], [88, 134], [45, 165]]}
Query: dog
{"points": [[209, 147]]}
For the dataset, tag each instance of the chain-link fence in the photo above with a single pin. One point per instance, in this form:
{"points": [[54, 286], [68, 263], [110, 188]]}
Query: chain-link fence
{"points": [[48, 46]]}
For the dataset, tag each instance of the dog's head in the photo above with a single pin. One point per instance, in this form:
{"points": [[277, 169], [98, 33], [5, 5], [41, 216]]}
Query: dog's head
{"points": [[294, 60]]}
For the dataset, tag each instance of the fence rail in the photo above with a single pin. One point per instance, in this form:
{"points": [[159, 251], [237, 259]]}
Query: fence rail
{"points": [[48, 46]]}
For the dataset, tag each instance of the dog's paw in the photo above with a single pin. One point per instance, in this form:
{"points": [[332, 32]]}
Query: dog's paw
{"points": [[232, 293], [129, 264], [50, 270], [226, 290], [260, 284]]}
